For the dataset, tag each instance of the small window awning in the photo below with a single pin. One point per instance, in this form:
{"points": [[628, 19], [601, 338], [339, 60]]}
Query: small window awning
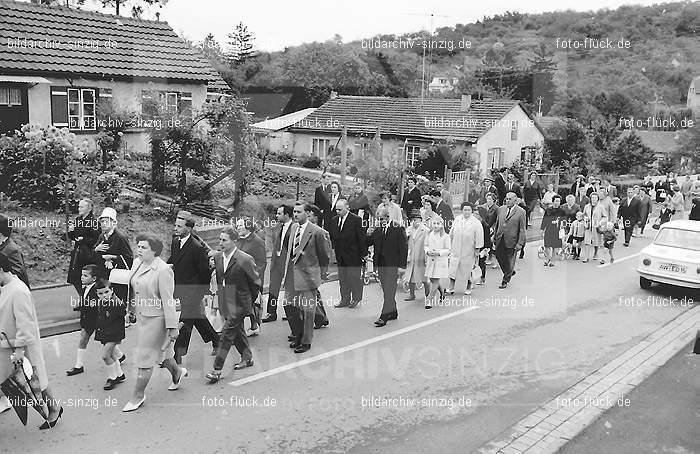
{"points": [[24, 79]]}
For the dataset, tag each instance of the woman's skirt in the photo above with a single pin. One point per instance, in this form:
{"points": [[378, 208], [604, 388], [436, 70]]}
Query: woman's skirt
{"points": [[152, 337]]}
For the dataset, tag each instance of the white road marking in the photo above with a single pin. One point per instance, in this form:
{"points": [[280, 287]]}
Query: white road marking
{"points": [[355, 346], [619, 260]]}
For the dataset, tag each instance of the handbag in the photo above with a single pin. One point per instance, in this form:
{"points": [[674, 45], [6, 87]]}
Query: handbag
{"points": [[22, 388], [120, 276], [475, 274]]}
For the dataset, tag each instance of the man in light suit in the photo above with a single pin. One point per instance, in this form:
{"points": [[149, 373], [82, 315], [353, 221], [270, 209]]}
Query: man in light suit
{"points": [[390, 255], [280, 246], [320, 319], [348, 238], [237, 284], [188, 258], [307, 262], [510, 236]]}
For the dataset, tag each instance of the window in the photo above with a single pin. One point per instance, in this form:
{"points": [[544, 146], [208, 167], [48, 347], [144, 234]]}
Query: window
{"points": [[171, 102], [412, 155], [513, 130], [319, 147], [496, 158], [10, 96], [528, 155], [81, 108]]}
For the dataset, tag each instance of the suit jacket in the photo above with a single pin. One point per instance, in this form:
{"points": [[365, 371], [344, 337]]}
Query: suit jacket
{"points": [[89, 303], [322, 197], [510, 228], [151, 290], [390, 250], [110, 319], [411, 200], [279, 251], [532, 191], [242, 284], [516, 189], [500, 184], [83, 253], [445, 212], [310, 261], [489, 215], [350, 242], [191, 270], [645, 206], [630, 210], [10, 250]]}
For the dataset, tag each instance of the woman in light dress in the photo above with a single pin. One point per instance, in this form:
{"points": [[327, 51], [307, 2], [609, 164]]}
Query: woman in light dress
{"points": [[437, 252], [594, 215], [678, 203], [467, 239], [415, 265]]}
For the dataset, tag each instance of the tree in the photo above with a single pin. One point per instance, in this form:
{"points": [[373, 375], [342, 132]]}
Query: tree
{"points": [[687, 153], [240, 45], [627, 155], [542, 68], [211, 49], [567, 140]]}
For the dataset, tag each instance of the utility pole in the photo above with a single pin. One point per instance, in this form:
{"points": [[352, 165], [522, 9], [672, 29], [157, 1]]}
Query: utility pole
{"points": [[539, 106]]}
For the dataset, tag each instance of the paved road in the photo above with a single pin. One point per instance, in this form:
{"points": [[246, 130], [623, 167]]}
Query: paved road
{"points": [[459, 374], [661, 415]]}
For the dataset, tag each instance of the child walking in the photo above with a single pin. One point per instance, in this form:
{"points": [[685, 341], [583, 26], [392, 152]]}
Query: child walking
{"points": [[609, 237], [576, 234], [87, 305], [437, 251], [110, 330]]}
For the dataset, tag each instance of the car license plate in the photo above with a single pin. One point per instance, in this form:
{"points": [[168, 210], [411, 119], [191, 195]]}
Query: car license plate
{"points": [[672, 268]]}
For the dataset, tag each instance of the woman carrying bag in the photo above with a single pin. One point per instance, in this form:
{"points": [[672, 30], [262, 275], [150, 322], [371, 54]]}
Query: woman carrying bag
{"points": [[21, 340]]}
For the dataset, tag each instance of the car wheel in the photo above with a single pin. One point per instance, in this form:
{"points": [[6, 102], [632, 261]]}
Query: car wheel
{"points": [[644, 283]]}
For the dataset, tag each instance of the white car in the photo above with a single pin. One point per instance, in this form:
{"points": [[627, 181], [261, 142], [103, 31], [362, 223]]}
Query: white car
{"points": [[673, 257]]}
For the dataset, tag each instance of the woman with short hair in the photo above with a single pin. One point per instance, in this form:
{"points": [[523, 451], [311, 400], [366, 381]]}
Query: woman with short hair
{"points": [[553, 220], [437, 251], [594, 215], [466, 241], [151, 287]]}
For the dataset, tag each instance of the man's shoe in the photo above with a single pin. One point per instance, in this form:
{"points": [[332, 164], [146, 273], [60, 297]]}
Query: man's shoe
{"points": [[341, 304], [269, 318], [110, 384], [503, 285], [291, 338], [410, 297], [243, 364], [120, 378], [295, 344], [354, 304], [253, 332], [75, 371], [302, 348], [625, 244], [380, 322], [320, 325], [123, 358]]}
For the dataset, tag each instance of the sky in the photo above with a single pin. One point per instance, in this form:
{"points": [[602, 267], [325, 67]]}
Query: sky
{"points": [[277, 24]]}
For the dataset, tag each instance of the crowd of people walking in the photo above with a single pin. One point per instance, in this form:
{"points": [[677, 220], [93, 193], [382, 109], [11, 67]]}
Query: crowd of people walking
{"points": [[418, 242]]}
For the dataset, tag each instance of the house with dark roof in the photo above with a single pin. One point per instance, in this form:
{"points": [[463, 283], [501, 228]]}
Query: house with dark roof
{"points": [[58, 66], [494, 133]]}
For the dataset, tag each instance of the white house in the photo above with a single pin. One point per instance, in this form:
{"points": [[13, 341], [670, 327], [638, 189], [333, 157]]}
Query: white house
{"points": [[272, 134], [442, 84], [494, 133], [59, 66]]}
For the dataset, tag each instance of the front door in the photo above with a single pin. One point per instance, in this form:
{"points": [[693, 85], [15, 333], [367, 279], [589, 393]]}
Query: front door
{"points": [[14, 110]]}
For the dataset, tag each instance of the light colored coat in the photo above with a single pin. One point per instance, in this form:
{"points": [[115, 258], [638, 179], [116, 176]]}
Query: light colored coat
{"points": [[18, 320], [594, 218], [437, 266], [151, 290], [415, 266], [467, 238], [311, 260]]}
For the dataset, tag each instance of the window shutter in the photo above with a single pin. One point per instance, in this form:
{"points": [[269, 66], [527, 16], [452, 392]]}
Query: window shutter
{"points": [[184, 104], [489, 159], [502, 157], [59, 107]]}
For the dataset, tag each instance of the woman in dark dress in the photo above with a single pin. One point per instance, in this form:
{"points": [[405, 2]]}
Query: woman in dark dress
{"points": [[250, 243], [554, 219], [84, 232]]}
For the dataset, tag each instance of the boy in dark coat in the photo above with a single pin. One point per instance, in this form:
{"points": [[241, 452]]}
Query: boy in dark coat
{"points": [[110, 330]]}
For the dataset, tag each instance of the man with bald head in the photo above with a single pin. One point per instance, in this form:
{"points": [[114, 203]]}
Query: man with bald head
{"points": [[348, 238]]}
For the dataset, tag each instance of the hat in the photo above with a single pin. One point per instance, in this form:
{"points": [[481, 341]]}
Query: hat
{"points": [[580, 176], [110, 213], [488, 179], [415, 214]]}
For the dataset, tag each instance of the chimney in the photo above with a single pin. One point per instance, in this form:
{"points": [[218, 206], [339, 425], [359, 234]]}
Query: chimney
{"points": [[466, 103], [334, 94]]}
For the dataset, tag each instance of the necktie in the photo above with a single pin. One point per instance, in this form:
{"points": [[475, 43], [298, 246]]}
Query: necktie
{"points": [[341, 222], [297, 240]]}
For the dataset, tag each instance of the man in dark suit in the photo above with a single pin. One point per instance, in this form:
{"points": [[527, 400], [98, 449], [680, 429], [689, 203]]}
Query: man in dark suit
{"points": [[9, 249], [322, 198], [630, 212], [237, 284], [443, 210], [512, 186], [280, 246], [510, 236], [113, 250], [307, 262], [390, 254], [84, 231], [499, 180], [487, 188], [190, 263], [532, 194], [411, 197], [348, 238]]}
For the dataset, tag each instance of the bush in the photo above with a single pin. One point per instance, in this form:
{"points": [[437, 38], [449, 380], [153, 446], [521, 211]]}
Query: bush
{"points": [[281, 157], [310, 162]]}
